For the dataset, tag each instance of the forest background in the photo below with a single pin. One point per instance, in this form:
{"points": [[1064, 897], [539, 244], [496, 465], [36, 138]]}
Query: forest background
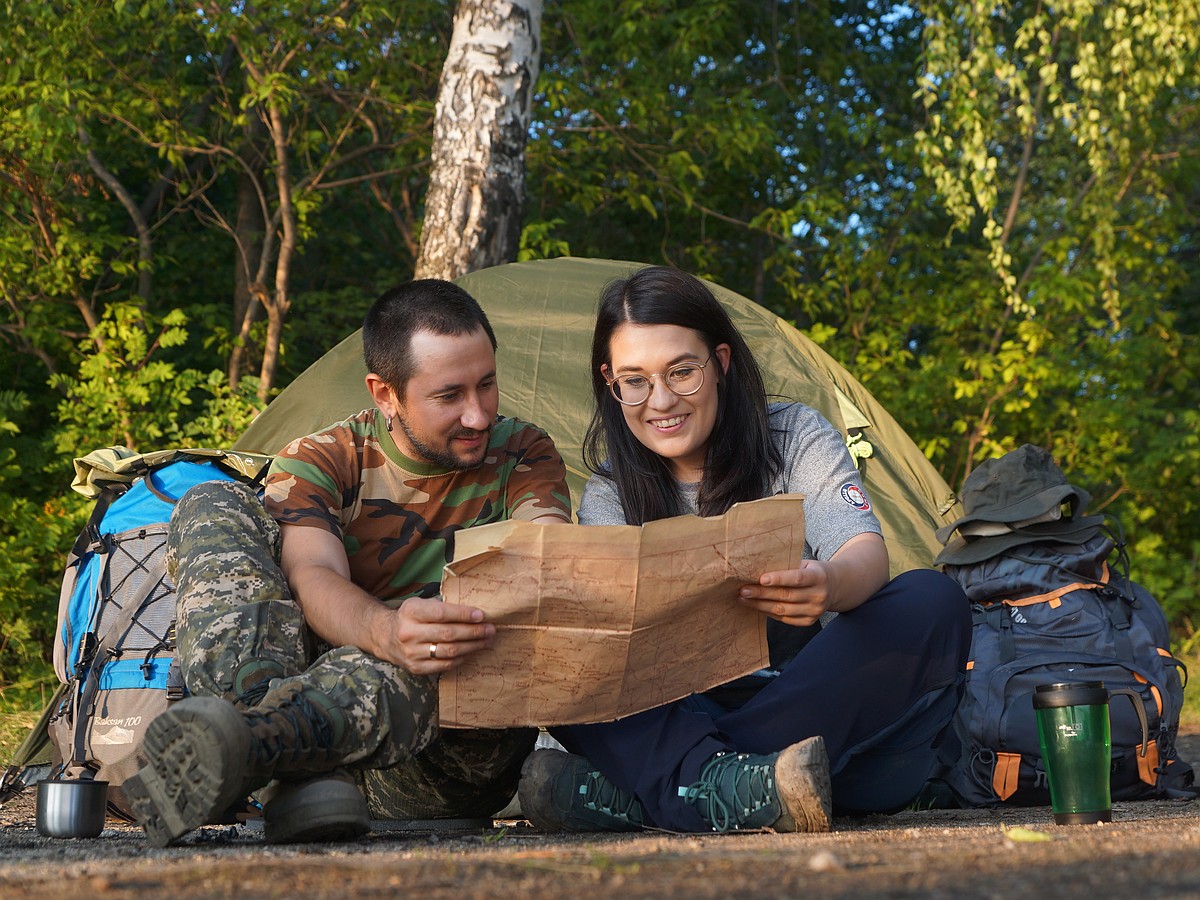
{"points": [[988, 212]]}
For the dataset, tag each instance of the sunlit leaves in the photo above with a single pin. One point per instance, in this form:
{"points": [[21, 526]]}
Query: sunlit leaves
{"points": [[1004, 81], [131, 393]]}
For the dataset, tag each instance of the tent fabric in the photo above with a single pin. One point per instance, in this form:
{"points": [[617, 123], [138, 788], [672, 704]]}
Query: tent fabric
{"points": [[543, 313]]}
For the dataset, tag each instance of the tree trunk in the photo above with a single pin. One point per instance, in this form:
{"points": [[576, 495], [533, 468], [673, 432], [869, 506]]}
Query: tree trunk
{"points": [[476, 195], [249, 228], [278, 301]]}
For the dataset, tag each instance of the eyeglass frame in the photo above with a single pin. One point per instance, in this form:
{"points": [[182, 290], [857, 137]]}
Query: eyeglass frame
{"points": [[612, 382]]}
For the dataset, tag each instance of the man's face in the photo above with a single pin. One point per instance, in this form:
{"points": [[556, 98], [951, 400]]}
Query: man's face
{"points": [[449, 404]]}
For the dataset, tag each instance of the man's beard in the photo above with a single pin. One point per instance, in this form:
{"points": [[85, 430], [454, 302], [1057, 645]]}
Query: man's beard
{"points": [[443, 458]]}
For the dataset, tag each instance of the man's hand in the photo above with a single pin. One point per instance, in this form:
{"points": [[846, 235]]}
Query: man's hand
{"points": [[344, 615], [427, 637]]}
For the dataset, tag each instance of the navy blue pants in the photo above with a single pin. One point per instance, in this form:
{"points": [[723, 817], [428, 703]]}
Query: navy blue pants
{"points": [[879, 683]]}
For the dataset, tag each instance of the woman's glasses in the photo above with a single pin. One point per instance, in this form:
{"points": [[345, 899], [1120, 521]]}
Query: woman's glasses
{"points": [[634, 389]]}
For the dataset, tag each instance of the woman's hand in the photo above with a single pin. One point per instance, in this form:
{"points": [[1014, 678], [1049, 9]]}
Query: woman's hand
{"points": [[793, 596], [798, 596]]}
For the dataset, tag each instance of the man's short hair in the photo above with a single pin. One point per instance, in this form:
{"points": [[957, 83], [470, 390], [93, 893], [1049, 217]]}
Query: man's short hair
{"points": [[428, 304]]}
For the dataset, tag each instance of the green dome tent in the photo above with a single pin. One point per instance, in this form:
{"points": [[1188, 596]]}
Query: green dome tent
{"points": [[543, 313]]}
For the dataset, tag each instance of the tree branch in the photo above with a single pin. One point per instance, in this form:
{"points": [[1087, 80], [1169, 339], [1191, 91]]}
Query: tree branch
{"points": [[1014, 202], [145, 246]]}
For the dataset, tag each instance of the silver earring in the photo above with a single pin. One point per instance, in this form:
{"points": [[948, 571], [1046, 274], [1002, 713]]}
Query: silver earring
{"points": [[389, 423]]}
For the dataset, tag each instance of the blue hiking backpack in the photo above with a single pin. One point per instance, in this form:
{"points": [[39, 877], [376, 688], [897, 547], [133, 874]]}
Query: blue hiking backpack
{"points": [[1051, 612], [114, 650]]}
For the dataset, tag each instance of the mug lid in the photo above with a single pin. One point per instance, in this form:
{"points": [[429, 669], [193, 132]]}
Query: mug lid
{"points": [[1069, 693]]}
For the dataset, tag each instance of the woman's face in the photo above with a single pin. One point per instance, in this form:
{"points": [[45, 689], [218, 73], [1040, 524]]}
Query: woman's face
{"points": [[676, 428]]}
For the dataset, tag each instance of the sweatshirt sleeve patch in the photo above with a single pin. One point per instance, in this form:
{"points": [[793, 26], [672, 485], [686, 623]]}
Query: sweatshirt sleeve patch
{"points": [[854, 496]]}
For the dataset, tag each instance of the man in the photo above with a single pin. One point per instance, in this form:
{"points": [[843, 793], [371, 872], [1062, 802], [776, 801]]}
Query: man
{"points": [[310, 628]]}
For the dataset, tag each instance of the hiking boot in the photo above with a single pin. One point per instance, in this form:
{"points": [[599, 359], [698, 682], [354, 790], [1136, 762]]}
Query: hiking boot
{"points": [[786, 791], [203, 754], [562, 792], [325, 808]]}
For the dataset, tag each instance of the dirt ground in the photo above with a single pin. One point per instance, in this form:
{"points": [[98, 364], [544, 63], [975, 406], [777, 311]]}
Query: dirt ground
{"points": [[1151, 848]]}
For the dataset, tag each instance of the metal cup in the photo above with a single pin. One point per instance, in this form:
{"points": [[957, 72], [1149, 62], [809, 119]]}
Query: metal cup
{"points": [[71, 808], [1076, 740]]}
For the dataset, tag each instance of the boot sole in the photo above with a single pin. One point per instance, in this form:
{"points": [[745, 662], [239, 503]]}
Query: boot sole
{"points": [[538, 769], [805, 792], [196, 755], [325, 809]]}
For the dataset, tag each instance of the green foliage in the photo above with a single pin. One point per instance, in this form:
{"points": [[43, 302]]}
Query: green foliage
{"points": [[224, 412], [33, 539], [20, 706], [34, 530], [324, 317], [1093, 81], [539, 241], [125, 392]]}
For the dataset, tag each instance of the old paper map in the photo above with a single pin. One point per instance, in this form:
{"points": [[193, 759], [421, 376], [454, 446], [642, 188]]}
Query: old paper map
{"points": [[598, 622]]}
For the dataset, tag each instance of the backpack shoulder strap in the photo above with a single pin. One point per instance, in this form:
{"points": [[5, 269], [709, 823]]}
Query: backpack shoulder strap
{"points": [[90, 535]]}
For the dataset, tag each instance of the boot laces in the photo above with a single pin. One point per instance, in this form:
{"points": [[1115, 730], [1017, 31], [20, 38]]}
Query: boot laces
{"points": [[601, 794], [253, 695], [291, 731], [731, 789]]}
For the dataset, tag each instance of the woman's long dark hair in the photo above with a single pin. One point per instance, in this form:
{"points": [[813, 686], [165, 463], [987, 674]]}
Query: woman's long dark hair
{"points": [[741, 459]]}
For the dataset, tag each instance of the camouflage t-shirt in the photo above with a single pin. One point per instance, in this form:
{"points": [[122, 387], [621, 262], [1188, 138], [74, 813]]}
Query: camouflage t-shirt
{"points": [[397, 517]]}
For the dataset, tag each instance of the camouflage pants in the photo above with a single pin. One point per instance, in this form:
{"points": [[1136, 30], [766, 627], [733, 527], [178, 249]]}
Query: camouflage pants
{"points": [[240, 632]]}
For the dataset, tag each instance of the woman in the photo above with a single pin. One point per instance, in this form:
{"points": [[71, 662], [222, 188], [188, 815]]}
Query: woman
{"points": [[682, 411]]}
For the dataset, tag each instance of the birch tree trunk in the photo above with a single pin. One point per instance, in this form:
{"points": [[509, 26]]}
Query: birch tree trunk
{"points": [[474, 205]]}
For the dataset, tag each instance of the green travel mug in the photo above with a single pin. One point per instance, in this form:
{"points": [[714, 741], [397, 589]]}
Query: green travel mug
{"points": [[1074, 731]]}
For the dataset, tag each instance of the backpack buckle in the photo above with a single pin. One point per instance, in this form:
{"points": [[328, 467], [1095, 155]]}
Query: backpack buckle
{"points": [[176, 689], [88, 645]]}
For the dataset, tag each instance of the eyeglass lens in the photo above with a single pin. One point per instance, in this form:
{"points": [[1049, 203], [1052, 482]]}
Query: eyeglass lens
{"points": [[682, 379]]}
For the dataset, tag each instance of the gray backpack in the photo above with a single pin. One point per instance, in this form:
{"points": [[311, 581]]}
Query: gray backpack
{"points": [[115, 645]]}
